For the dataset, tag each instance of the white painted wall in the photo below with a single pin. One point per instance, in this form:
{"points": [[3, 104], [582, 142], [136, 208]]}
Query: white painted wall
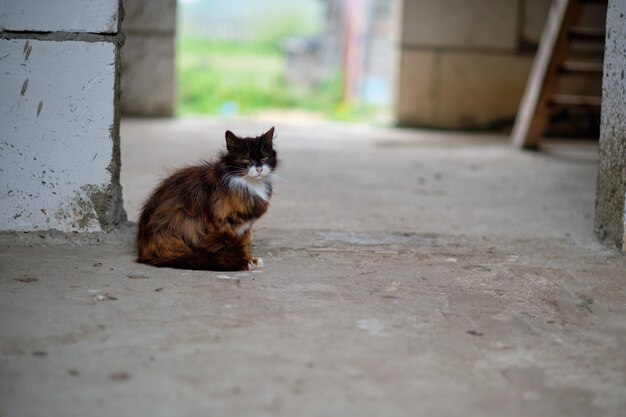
{"points": [[56, 113], [94, 16]]}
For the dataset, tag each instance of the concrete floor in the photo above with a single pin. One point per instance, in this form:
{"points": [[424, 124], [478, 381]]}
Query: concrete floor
{"points": [[407, 274]]}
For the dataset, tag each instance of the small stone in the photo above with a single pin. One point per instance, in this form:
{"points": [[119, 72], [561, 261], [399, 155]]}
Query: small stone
{"points": [[27, 279], [131, 276], [105, 297], [119, 376]]}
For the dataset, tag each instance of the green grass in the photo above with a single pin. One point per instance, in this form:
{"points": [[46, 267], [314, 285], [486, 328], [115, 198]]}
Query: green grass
{"points": [[228, 79]]}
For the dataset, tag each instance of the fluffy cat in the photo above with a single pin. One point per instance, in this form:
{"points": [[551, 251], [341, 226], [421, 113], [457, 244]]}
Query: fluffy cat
{"points": [[201, 216]]}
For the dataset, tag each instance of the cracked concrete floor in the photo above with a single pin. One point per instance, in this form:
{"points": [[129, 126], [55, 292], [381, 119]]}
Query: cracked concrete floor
{"points": [[407, 273]]}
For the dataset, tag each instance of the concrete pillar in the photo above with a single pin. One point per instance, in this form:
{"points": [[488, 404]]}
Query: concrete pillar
{"points": [[59, 136], [610, 219], [148, 77]]}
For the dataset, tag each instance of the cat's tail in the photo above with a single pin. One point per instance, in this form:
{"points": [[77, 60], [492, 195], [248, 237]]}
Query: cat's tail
{"points": [[159, 250], [216, 253]]}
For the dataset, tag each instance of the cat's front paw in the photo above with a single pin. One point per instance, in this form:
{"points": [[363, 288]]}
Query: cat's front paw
{"points": [[255, 263]]}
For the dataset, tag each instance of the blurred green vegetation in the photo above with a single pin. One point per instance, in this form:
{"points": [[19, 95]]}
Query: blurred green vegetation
{"points": [[221, 78], [247, 74]]}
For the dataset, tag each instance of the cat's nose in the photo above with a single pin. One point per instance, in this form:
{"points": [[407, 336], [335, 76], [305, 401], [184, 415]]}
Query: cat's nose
{"points": [[259, 169]]}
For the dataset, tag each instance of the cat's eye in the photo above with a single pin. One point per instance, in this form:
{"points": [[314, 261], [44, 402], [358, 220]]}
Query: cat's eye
{"points": [[246, 160], [264, 159]]}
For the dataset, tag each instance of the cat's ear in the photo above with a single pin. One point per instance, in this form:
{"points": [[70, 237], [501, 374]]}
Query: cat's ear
{"points": [[269, 136], [231, 140]]}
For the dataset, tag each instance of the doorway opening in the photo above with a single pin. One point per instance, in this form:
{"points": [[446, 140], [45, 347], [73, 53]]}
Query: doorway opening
{"points": [[293, 59]]}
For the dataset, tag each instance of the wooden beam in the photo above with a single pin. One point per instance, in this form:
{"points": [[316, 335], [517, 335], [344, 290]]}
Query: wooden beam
{"points": [[534, 112]]}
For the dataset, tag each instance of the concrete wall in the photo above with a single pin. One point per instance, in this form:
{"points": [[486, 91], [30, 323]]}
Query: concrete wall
{"points": [[610, 220], [148, 78], [59, 143], [464, 63]]}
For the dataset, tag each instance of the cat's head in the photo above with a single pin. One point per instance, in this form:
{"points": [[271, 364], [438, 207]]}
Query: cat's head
{"points": [[251, 158]]}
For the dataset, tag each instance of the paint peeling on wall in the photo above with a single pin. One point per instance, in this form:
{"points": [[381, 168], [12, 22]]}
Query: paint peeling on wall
{"points": [[78, 212], [89, 209]]}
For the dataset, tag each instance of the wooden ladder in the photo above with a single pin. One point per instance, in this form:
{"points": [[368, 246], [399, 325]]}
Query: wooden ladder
{"points": [[549, 64]]}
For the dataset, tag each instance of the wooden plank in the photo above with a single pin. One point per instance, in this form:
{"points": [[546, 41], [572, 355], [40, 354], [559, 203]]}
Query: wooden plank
{"points": [[587, 34], [575, 100], [533, 114], [583, 68]]}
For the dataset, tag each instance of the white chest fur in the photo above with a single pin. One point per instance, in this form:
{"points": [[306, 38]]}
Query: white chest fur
{"points": [[259, 188], [244, 228]]}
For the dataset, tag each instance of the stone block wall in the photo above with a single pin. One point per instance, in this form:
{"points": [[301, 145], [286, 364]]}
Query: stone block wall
{"points": [[59, 144], [464, 63], [60, 16], [148, 78], [610, 219]]}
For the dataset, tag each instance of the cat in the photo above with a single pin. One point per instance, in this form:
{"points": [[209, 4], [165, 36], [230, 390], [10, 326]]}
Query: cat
{"points": [[201, 216]]}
